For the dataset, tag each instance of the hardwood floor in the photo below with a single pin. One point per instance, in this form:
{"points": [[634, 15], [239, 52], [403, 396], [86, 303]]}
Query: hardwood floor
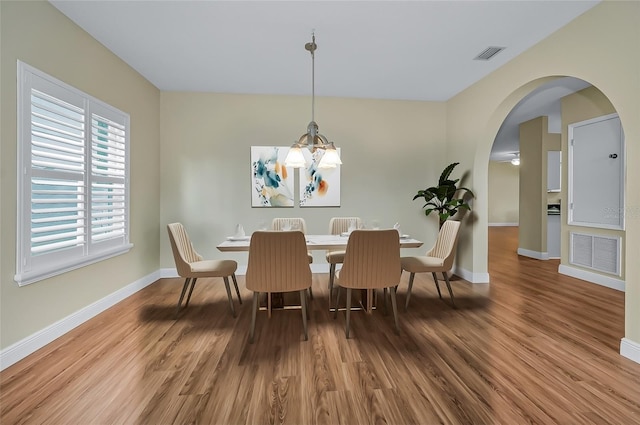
{"points": [[531, 347]]}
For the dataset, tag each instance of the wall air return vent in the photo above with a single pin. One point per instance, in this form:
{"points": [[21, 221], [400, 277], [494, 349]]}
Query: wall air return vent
{"points": [[600, 253], [488, 53]]}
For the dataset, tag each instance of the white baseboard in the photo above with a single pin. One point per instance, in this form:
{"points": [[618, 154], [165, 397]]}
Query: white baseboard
{"points": [[471, 276], [630, 349], [504, 224], [533, 254], [596, 278], [32, 343], [168, 273]]}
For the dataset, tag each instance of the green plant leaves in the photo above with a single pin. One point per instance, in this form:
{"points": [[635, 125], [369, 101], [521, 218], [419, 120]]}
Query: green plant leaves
{"points": [[442, 198]]}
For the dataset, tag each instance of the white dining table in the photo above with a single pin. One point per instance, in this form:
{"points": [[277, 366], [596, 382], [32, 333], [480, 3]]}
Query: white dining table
{"points": [[314, 242]]}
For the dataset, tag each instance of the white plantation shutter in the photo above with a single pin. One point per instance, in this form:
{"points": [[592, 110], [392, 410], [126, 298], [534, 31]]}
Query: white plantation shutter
{"points": [[72, 178], [108, 166], [57, 172]]}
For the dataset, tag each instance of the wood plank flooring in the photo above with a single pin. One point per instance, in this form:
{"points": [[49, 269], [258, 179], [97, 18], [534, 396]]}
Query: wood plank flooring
{"points": [[531, 347]]}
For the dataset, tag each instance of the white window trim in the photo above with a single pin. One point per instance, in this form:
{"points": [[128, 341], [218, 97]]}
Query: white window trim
{"points": [[89, 252]]}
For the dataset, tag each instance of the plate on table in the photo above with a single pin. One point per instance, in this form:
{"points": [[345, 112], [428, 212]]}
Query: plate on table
{"points": [[405, 237], [238, 238]]}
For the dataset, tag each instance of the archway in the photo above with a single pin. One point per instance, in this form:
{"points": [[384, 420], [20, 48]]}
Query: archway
{"points": [[594, 104]]}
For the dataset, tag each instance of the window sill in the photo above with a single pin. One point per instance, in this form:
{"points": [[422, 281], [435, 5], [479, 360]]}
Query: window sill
{"points": [[33, 276]]}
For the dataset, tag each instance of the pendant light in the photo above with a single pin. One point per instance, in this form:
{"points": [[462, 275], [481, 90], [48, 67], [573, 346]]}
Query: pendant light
{"points": [[312, 139]]}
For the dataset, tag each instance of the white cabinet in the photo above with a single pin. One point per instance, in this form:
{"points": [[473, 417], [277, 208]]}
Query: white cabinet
{"points": [[596, 173], [554, 167], [553, 235]]}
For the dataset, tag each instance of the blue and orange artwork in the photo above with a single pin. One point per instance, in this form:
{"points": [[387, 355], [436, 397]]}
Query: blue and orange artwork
{"points": [[272, 186], [319, 187]]}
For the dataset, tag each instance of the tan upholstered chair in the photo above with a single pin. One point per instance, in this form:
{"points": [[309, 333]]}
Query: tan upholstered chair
{"points": [[192, 266], [437, 259], [337, 226], [371, 261], [278, 263], [289, 224]]}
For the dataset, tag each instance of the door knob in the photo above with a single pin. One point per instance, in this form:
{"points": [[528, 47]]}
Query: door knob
{"points": [[613, 155]]}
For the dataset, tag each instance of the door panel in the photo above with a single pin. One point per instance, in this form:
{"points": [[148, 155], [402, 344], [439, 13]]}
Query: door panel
{"points": [[596, 160]]}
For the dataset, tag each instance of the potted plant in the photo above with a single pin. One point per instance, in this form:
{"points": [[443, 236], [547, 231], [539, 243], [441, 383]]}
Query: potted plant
{"points": [[442, 198]]}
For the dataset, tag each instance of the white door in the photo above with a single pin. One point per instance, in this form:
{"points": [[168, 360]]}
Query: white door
{"points": [[596, 173]]}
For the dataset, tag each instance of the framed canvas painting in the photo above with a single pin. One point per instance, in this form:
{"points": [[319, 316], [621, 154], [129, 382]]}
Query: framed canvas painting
{"points": [[271, 181], [319, 187]]}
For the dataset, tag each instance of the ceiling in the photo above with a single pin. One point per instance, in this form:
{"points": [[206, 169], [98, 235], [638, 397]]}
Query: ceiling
{"points": [[545, 100], [405, 50]]}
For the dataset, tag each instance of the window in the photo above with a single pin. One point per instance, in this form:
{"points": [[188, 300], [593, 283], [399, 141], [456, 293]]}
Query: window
{"points": [[73, 178]]}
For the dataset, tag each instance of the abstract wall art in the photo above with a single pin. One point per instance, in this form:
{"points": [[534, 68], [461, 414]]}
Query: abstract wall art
{"points": [[319, 187], [271, 181]]}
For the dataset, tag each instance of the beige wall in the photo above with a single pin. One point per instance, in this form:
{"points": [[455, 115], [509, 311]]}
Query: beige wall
{"points": [[583, 105], [39, 35], [535, 142], [390, 150], [600, 47], [532, 232], [504, 193]]}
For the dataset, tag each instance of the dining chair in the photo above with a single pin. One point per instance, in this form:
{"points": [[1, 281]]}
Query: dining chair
{"points": [[438, 259], [191, 266], [295, 223], [371, 261], [289, 224], [278, 263], [338, 226]]}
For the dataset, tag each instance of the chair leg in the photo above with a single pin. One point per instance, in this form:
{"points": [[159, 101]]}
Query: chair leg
{"points": [[310, 292], [371, 293], [184, 289], [394, 306], [254, 310], [303, 303], [348, 311], [406, 304], [226, 285], [446, 279], [332, 275], [384, 295], [235, 283], [193, 285], [335, 311], [435, 279]]}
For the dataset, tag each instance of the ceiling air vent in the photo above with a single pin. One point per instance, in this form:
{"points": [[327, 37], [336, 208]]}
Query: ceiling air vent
{"points": [[488, 53]]}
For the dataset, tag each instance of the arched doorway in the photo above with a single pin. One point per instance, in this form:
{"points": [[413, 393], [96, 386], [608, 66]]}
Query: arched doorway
{"points": [[562, 101]]}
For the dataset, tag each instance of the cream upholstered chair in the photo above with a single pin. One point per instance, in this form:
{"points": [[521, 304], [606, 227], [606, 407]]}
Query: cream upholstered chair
{"points": [[337, 226], [437, 259], [289, 224], [278, 263], [192, 266], [371, 261]]}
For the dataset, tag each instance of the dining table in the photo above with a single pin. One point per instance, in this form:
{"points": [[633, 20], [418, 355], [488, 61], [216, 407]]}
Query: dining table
{"points": [[314, 242]]}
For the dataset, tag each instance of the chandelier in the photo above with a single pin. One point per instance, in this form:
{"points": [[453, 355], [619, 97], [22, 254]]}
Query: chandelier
{"points": [[312, 139]]}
